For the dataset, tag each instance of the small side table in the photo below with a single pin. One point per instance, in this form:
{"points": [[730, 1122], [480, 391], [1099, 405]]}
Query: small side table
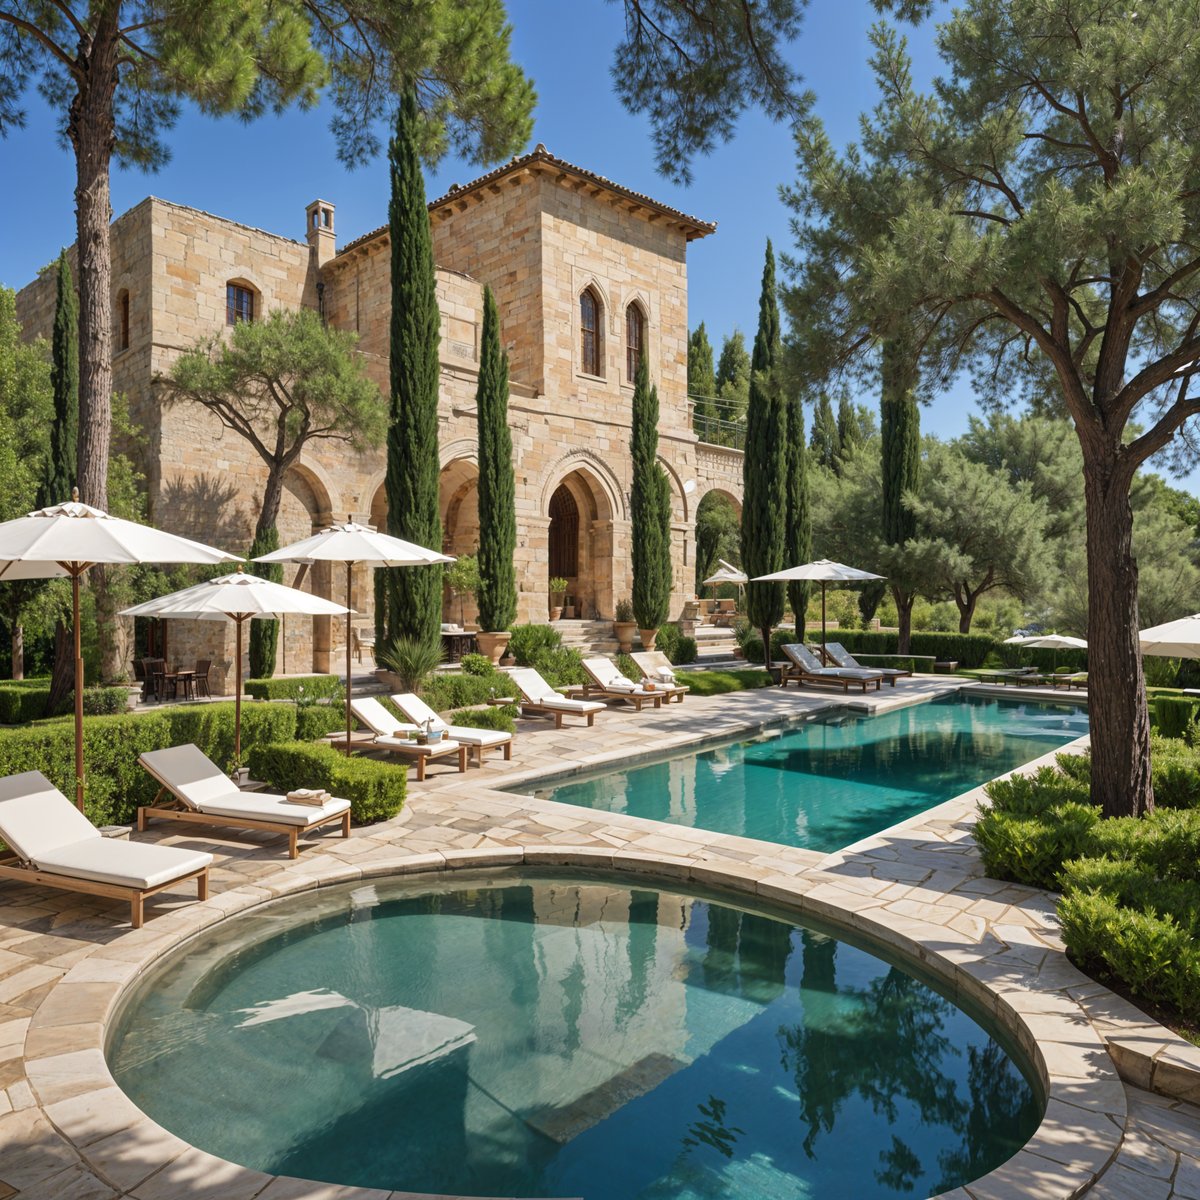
{"points": [[251, 785], [360, 739], [422, 754]]}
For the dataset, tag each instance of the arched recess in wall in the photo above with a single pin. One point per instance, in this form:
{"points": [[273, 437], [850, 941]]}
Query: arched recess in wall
{"points": [[458, 503], [718, 526], [306, 643], [579, 503], [637, 335]]}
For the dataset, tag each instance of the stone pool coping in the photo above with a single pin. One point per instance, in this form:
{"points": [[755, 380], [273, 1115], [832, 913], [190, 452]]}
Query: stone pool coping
{"points": [[985, 940]]}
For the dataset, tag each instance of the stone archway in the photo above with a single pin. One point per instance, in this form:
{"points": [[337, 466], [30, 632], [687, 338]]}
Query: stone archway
{"points": [[458, 502], [307, 643], [580, 543]]}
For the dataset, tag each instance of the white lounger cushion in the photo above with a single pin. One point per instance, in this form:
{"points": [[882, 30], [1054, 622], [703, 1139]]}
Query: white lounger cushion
{"points": [[127, 864], [415, 709], [375, 717], [263, 806], [46, 829], [188, 773], [608, 675], [537, 691]]}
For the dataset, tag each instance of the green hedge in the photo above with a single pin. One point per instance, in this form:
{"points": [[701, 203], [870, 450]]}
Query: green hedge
{"points": [[679, 650], [375, 788], [314, 721], [444, 692], [715, 683], [528, 641], [1173, 715], [116, 784], [296, 687], [502, 718], [1130, 908], [21, 703]]}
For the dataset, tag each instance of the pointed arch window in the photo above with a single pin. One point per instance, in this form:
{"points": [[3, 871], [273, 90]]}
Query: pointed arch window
{"points": [[635, 339], [591, 336]]}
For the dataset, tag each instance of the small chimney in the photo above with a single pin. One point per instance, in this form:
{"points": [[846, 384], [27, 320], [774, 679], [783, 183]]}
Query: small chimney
{"points": [[319, 225]]}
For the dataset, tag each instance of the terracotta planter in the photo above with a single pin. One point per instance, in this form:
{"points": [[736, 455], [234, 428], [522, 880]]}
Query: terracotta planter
{"points": [[555, 614], [623, 632], [648, 637], [493, 644]]}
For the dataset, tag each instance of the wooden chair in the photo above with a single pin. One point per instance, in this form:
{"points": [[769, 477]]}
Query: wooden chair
{"points": [[203, 666]]}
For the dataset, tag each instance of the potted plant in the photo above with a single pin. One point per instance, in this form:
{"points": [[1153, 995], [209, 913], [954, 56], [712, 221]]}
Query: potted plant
{"points": [[462, 577], [624, 625], [558, 589]]}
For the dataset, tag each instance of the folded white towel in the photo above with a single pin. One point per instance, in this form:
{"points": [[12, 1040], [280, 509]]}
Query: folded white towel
{"points": [[666, 675], [313, 796]]}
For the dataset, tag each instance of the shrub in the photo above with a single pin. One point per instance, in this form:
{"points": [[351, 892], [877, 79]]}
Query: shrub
{"points": [[104, 701], [314, 721], [1175, 715], [1032, 849], [624, 610], [686, 652], [21, 704], [497, 717], [560, 667], [629, 668], [116, 784], [374, 788], [1160, 672], [444, 692], [668, 640], [310, 687], [413, 660], [477, 664], [528, 641]]}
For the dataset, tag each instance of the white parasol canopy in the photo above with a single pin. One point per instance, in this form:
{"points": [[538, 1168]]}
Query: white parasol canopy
{"points": [[352, 543], [822, 571], [1175, 639], [1050, 641], [238, 598], [727, 573], [68, 539]]}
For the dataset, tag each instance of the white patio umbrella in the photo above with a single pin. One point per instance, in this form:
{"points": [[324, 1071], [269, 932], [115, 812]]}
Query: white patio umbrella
{"points": [[1050, 641], [68, 539], [238, 598], [1176, 639], [352, 543], [823, 571], [727, 573]]}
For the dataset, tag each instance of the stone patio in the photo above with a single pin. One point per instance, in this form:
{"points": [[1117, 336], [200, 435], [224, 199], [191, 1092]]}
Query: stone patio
{"points": [[67, 1131]]}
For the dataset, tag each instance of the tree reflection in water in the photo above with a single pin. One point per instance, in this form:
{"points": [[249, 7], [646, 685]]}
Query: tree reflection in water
{"points": [[888, 1046]]}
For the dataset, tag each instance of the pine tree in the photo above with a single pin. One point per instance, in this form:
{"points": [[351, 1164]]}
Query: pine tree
{"points": [[649, 507], [733, 375], [824, 443], [900, 426], [764, 468], [414, 594], [497, 594], [702, 384], [61, 466], [798, 534]]}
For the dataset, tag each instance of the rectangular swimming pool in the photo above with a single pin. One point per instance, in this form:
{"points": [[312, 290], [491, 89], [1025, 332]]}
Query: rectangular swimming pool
{"points": [[840, 777]]}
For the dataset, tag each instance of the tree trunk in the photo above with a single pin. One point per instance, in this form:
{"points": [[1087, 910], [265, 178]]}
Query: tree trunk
{"points": [[18, 650], [90, 128], [966, 611], [62, 681], [1120, 722], [766, 637], [904, 606]]}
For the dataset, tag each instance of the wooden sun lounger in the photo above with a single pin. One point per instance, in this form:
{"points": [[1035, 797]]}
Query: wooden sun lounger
{"points": [[539, 699], [802, 667], [54, 845], [608, 683], [836, 655], [201, 793], [652, 664]]}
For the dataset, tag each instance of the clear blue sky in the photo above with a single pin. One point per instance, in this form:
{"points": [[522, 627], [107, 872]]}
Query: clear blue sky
{"points": [[265, 173]]}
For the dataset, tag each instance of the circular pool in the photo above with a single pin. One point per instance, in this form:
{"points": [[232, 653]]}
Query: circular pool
{"points": [[542, 1036]]}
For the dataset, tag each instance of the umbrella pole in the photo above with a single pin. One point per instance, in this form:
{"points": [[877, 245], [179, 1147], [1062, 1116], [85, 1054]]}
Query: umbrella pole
{"points": [[823, 659], [78, 694], [237, 695], [349, 606]]}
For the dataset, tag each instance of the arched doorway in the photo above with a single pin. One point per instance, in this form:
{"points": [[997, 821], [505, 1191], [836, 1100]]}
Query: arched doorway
{"points": [[458, 499], [718, 529], [580, 544]]}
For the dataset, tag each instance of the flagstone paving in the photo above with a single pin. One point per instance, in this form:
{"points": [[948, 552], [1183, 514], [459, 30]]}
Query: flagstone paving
{"points": [[66, 1131]]}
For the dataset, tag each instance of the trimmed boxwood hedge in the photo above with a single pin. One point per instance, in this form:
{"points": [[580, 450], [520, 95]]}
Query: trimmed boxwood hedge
{"points": [[1130, 908], [374, 788], [295, 687], [20, 703], [502, 718], [116, 784]]}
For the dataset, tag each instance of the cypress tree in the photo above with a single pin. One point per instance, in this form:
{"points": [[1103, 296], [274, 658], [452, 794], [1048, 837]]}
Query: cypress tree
{"points": [[824, 444], [798, 537], [764, 502], [900, 428], [497, 595], [64, 378], [61, 465], [649, 507], [413, 594], [849, 428], [264, 633], [701, 382]]}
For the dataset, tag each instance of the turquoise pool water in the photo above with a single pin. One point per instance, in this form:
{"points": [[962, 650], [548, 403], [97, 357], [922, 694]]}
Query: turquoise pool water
{"points": [[838, 778], [547, 1037]]}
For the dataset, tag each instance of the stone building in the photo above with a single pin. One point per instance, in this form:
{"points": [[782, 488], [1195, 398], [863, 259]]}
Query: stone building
{"points": [[584, 270]]}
